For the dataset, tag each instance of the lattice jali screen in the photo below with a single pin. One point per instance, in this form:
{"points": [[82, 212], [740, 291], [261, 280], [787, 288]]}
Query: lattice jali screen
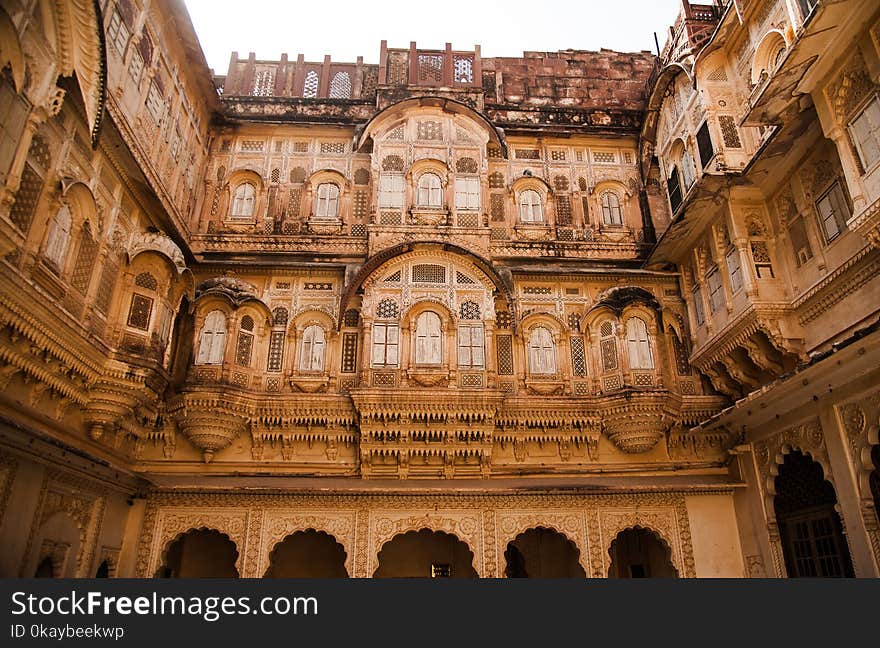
{"points": [[608, 348], [563, 210], [430, 68], [428, 273], [349, 352], [463, 68], [496, 207], [359, 203], [429, 130], [276, 351], [504, 354], [390, 218], [384, 378], [392, 163], [398, 68], [243, 349], [578, 357], [85, 262], [139, 312], [468, 220], [387, 309], [469, 310], [350, 318], [340, 86], [471, 380], [466, 165]]}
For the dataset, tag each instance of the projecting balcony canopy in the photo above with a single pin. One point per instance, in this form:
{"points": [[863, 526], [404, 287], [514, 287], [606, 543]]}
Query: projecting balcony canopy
{"points": [[387, 116]]}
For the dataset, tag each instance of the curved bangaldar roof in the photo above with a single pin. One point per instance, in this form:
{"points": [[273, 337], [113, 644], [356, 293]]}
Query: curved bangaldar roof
{"points": [[393, 112]]}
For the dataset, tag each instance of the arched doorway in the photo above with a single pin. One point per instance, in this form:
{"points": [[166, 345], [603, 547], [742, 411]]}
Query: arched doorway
{"points": [[103, 570], [639, 553], [202, 553], [542, 553], [307, 554], [425, 554], [813, 543], [45, 569]]}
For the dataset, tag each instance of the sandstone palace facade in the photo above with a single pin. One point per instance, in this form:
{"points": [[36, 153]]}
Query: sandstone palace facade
{"points": [[572, 314]]}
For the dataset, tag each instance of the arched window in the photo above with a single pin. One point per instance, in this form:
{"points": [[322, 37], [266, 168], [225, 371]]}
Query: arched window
{"points": [[212, 339], [639, 345], [430, 191], [311, 349], [327, 205], [611, 209], [428, 350], [688, 171], [542, 352], [243, 201], [59, 238], [340, 86], [530, 208]]}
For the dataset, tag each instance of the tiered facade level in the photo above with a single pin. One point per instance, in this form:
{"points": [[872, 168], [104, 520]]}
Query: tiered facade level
{"points": [[571, 314]]}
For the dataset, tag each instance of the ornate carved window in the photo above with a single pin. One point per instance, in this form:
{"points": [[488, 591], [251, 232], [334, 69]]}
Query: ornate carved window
{"points": [[139, 312], [391, 190], [638, 344], [428, 339], [608, 346], [531, 209], [688, 173], [833, 212], [699, 311], [59, 238], [118, 32], [245, 344], [716, 293], [470, 345], [386, 341], [311, 349], [704, 144], [611, 214], [467, 193], [430, 190], [734, 269], [865, 132], [542, 352], [327, 201], [212, 339], [673, 186], [243, 201]]}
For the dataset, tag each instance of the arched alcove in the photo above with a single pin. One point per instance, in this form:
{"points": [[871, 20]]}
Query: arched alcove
{"points": [[307, 554], [813, 543], [200, 553], [425, 554], [542, 553], [640, 553]]}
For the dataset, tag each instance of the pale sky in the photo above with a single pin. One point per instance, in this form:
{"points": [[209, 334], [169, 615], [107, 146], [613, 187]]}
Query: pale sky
{"points": [[345, 29]]}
